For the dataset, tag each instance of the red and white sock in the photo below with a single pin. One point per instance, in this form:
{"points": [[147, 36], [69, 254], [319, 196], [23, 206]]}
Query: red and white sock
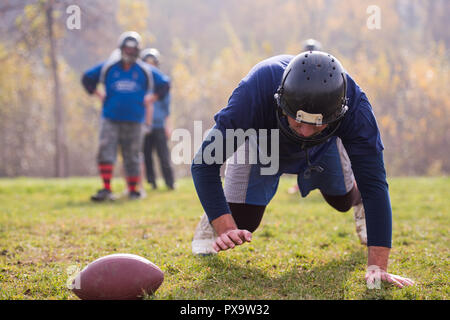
{"points": [[106, 170], [132, 183]]}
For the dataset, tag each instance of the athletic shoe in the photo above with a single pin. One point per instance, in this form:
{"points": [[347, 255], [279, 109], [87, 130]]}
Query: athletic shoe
{"points": [[360, 223], [133, 195], [103, 195], [204, 237], [126, 194]]}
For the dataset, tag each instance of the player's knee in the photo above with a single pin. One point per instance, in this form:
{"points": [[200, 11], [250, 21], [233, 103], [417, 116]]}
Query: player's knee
{"points": [[247, 216], [345, 202], [342, 206], [247, 225]]}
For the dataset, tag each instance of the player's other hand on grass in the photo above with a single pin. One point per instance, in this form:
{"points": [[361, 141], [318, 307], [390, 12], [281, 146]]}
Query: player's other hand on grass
{"points": [[375, 275], [231, 238]]}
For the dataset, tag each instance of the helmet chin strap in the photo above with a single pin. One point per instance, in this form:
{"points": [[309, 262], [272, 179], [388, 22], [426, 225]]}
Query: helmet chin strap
{"points": [[311, 168]]}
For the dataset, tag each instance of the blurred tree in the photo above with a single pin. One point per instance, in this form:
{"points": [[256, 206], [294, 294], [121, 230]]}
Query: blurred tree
{"points": [[61, 159], [133, 15], [207, 47], [32, 34]]}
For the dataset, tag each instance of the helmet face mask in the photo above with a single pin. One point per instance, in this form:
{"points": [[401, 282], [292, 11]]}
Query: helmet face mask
{"points": [[312, 91], [305, 142], [129, 54], [130, 46]]}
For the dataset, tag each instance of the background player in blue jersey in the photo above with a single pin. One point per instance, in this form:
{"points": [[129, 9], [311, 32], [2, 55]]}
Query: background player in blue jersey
{"points": [[328, 137], [156, 138], [131, 87]]}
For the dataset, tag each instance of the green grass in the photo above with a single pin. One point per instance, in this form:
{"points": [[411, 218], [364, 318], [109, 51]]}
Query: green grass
{"points": [[302, 250]]}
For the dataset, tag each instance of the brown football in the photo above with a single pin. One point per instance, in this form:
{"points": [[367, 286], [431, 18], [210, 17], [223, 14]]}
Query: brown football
{"points": [[117, 277]]}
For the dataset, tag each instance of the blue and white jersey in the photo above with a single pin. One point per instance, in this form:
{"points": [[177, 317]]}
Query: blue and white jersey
{"points": [[125, 89], [252, 105]]}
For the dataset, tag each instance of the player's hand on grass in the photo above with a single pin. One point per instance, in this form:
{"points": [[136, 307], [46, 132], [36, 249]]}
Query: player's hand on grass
{"points": [[375, 275], [231, 238]]}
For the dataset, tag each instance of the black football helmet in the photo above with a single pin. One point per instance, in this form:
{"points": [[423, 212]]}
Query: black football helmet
{"points": [[313, 90]]}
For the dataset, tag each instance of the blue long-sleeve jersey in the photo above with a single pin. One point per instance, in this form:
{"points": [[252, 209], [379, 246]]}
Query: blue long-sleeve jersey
{"points": [[161, 110], [125, 89], [252, 105]]}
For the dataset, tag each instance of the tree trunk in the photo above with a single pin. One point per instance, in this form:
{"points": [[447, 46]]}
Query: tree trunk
{"points": [[60, 145]]}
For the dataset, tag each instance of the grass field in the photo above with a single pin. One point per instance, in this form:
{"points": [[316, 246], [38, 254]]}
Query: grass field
{"points": [[302, 250]]}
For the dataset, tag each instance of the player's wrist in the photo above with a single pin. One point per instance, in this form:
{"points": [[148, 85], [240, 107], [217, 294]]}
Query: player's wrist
{"points": [[378, 256], [223, 224]]}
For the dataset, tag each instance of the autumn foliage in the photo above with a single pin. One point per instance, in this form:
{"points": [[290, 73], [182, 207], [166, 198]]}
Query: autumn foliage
{"points": [[207, 47]]}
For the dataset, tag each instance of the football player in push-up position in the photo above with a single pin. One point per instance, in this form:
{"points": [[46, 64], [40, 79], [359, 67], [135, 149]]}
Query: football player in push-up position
{"points": [[328, 137]]}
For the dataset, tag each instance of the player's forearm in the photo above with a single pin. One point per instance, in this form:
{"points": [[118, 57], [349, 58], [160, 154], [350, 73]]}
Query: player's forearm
{"points": [[209, 189], [162, 89], [149, 114], [148, 103], [168, 122], [89, 83], [208, 184], [371, 178], [378, 256]]}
